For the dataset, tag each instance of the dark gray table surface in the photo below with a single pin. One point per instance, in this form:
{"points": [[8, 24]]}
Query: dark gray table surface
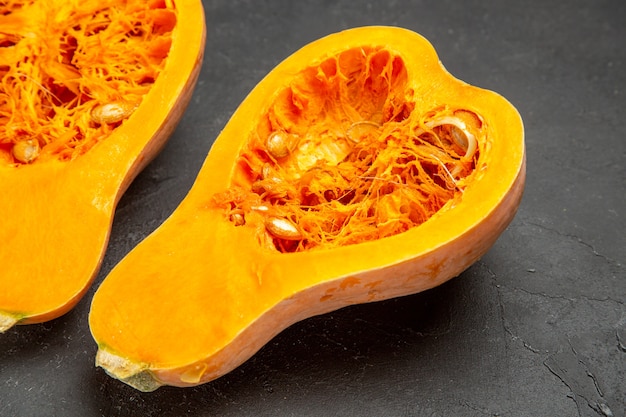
{"points": [[537, 327]]}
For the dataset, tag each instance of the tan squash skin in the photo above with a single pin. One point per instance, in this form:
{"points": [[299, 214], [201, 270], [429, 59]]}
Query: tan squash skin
{"points": [[58, 214], [200, 296]]}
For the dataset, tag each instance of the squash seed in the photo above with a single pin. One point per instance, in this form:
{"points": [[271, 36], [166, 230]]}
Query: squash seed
{"points": [[237, 219], [26, 151], [110, 113], [278, 144], [260, 208], [282, 228], [358, 130], [266, 171], [459, 132]]}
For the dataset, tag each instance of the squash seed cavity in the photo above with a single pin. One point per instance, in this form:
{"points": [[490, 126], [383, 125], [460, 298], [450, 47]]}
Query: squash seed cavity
{"points": [[344, 155], [106, 57]]}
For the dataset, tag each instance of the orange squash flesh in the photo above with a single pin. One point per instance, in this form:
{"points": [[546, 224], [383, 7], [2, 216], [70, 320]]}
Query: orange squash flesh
{"points": [[58, 206], [214, 282]]}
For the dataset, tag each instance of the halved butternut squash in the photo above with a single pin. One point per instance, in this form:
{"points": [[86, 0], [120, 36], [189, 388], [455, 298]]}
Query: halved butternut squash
{"points": [[89, 93], [357, 170]]}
